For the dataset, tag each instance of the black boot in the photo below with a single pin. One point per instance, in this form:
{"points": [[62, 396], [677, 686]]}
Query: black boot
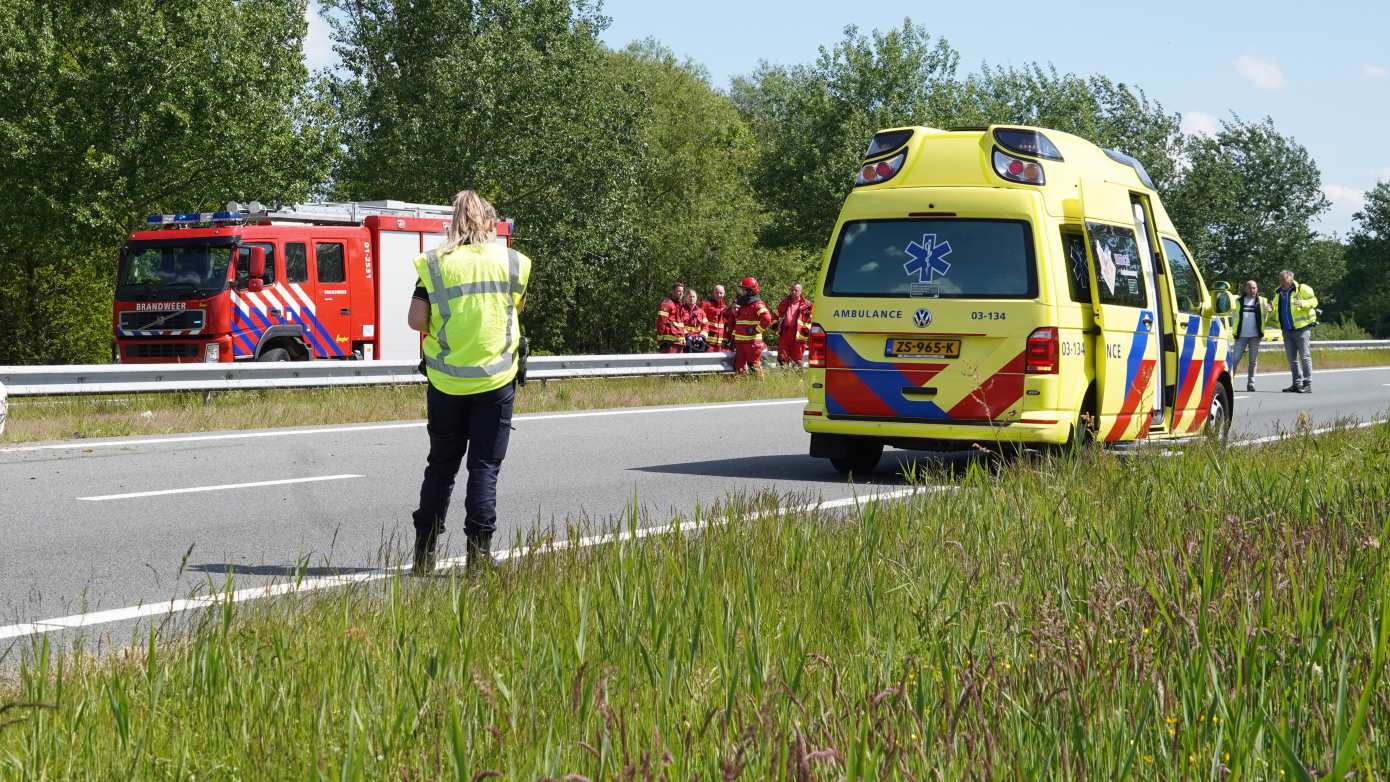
{"points": [[425, 551], [479, 552]]}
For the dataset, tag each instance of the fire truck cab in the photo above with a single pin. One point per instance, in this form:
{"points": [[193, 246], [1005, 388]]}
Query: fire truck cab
{"points": [[315, 281]]}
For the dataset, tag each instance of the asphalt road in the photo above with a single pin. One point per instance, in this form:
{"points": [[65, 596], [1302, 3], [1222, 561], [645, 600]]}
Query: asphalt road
{"points": [[97, 525]]}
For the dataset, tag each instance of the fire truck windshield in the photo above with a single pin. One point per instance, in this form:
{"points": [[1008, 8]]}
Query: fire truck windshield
{"points": [[170, 269]]}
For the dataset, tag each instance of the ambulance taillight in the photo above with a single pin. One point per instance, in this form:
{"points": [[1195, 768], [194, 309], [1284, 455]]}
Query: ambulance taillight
{"points": [[1042, 352], [872, 172], [882, 171], [816, 348], [1024, 172]]}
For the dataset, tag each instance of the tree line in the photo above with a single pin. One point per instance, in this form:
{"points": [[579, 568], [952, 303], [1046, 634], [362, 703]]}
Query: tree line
{"points": [[624, 169]]}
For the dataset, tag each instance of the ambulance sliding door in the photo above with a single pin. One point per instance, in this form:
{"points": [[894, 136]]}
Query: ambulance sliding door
{"points": [[1127, 349]]}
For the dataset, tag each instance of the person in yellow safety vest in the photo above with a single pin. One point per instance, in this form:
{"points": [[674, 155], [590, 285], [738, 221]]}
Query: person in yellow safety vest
{"points": [[1297, 308], [1252, 312], [467, 305], [670, 321]]}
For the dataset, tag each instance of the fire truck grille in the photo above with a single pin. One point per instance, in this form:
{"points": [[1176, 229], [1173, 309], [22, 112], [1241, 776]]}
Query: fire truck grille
{"points": [[163, 350], [162, 321]]}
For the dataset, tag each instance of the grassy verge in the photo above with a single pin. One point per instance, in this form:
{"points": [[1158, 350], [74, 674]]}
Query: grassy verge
{"points": [[54, 418], [1219, 615], [1275, 361]]}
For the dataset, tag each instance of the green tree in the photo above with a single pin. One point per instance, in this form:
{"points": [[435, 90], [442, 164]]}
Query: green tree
{"points": [[1365, 290], [813, 121], [696, 215], [1246, 203], [516, 99], [111, 111]]}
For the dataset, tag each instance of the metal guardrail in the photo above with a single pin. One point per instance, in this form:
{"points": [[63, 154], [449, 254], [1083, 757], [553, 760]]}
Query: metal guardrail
{"points": [[139, 378]]}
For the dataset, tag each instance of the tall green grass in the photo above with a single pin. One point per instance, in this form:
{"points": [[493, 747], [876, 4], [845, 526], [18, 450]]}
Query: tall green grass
{"points": [[1213, 615]]}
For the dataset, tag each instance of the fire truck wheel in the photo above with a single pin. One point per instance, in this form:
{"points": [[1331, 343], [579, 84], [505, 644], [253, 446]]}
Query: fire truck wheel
{"points": [[274, 354]]}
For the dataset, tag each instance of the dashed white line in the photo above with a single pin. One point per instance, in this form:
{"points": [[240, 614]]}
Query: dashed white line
{"points": [[220, 487], [73, 621]]}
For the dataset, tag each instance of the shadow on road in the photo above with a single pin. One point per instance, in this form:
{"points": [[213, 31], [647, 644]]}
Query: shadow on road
{"points": [[802, 469], [284, 571]]}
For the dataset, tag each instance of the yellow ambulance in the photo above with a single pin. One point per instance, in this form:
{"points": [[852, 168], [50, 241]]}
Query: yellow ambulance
{"points": [[1008, 286]]}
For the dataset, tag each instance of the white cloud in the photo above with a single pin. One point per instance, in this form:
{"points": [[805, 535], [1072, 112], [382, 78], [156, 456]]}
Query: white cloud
{"points": [[1383, 175], [1343, 196], [1199, 123], [318, 41], [1369, 71], [1346, 201], [1262, 72]]}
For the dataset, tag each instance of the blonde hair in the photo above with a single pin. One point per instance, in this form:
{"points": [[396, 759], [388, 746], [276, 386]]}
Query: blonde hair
{"points": [[475, 221]]}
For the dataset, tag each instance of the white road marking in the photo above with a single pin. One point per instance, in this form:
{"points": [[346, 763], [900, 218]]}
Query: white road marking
{"points": [[77, 445], [41, 626], [1273, 438], [222, 487], [1317, 371]]}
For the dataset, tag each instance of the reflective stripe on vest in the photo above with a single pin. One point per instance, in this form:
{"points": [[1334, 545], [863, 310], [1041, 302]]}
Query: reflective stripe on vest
{"points": [[441, 297]]}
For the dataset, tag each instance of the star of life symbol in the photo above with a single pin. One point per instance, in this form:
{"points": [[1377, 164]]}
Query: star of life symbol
{"points": [[928, 258], [1078, 263]]}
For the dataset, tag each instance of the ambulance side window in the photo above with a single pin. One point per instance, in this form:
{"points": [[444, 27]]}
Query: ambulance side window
{"points": [[1184, 278], [329, 257], [1074, 256], [1118, 271], [243, 263], [296, 262]]}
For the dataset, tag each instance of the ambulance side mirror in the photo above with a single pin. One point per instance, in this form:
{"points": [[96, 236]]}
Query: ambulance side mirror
{"points": [[1221, 302], [256, 273]]}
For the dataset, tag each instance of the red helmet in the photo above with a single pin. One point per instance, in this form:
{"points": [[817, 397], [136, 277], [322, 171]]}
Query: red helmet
{"points": [[749, 283]]}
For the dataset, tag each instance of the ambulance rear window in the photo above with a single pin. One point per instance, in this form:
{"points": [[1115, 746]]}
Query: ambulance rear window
{"points": [[945, 258]]}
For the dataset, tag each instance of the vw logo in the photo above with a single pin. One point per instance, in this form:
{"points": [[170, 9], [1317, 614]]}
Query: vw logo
{"points": [[922, 318]]}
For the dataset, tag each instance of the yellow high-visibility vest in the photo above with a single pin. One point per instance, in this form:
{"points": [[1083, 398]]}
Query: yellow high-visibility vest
{"points": [[475, 292]]}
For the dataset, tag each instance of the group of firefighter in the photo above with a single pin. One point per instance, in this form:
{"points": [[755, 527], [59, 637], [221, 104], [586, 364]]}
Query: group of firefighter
{"points": [[687, 324]]}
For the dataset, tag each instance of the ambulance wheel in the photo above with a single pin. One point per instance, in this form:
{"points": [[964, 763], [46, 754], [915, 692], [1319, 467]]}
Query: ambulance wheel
{"points": [[1218, 423], [274, 354], [861, 458]]}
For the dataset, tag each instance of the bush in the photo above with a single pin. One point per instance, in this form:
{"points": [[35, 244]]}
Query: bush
{"points": [[1345, 328]]}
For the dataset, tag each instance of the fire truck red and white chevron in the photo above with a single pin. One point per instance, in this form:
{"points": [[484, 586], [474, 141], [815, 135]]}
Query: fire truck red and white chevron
{"points": [[276, 305]]}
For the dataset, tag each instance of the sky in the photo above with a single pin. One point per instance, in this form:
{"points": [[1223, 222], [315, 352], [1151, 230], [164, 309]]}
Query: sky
{"points": [[1320, 70]]}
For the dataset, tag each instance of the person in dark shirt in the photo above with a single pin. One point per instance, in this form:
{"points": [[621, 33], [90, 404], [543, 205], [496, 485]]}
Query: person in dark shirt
{"points": [[1251, 314]]}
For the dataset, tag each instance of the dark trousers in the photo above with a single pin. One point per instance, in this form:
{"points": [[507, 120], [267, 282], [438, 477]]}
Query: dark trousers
{"points": [[476, 425]]}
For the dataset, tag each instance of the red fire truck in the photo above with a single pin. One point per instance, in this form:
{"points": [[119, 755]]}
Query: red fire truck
{"points": [[314, 281]]}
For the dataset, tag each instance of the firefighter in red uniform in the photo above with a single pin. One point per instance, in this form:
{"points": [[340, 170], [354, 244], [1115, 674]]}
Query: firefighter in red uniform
{"points": [[750, 320], [715, 315], [730, 314], [696, 324], [793, 327], [670, 322]]}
